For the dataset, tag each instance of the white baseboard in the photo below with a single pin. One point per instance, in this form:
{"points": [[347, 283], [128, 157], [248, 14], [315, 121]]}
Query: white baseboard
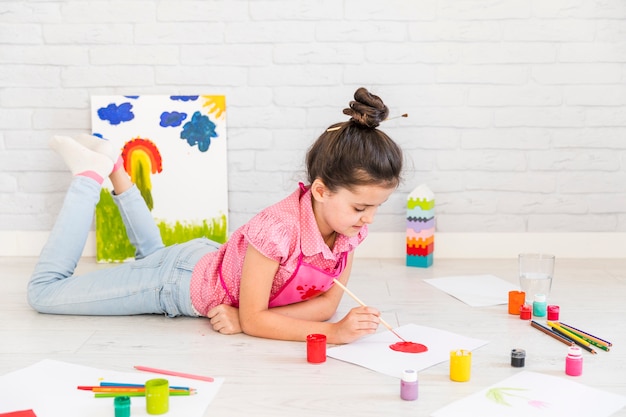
{"points": [[502, 245], [392, 245], [29, 243]]}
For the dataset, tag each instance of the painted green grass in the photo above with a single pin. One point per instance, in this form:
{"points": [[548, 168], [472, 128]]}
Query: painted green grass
{"points": [[112, 245]]}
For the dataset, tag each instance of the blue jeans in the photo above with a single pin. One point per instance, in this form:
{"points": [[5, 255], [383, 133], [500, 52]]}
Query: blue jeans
{"points": [[157, 282]]}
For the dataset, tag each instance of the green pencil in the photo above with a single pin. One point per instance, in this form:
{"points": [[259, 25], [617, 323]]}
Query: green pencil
{"points": [[139, 394], [582, 336]]}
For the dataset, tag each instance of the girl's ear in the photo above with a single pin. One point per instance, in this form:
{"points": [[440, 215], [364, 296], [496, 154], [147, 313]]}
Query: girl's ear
{"points": [[319, 191]]}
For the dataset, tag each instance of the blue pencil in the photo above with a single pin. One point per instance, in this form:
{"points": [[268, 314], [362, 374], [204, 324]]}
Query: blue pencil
{"points": [[121, 384]]}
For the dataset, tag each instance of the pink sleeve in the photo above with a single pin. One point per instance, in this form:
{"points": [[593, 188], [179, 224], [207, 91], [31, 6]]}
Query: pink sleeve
{"points": [[272, 236]]}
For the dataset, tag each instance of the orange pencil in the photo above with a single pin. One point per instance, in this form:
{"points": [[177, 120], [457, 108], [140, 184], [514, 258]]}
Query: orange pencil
{"points": [[587, 335], [127, 389], [124, 389], [580, 342]]}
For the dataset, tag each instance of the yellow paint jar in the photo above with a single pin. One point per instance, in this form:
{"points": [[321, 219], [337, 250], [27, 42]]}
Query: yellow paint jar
{"points": [[460, 365]]}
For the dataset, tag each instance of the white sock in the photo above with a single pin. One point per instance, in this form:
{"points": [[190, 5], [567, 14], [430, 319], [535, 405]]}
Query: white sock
{"points": [[80, 160], [100, 145]]}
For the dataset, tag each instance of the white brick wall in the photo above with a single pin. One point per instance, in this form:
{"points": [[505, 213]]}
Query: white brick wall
{"points": [[517, 108]]}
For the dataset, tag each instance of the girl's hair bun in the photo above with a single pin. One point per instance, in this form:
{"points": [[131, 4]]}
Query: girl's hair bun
{"points": [[367, 109]]}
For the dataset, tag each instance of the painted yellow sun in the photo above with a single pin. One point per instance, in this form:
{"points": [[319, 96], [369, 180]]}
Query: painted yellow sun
{"points": [[216, 105]]}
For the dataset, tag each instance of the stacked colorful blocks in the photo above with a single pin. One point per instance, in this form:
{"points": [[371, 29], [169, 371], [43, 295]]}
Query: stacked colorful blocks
{"points": [[420, 227]]}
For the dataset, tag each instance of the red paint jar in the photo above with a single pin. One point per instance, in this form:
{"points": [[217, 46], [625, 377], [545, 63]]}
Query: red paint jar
{"points": [[553, 313], [525, 312], [316, 348]]}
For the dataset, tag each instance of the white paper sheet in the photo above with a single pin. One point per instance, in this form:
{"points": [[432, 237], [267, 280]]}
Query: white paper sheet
{"points": [[534, 394], [49, 389], [373, 351], [476, 290]]}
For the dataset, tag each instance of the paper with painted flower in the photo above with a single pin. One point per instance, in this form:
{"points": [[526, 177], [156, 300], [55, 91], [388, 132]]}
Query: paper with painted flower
{"points": [[535, 394]]}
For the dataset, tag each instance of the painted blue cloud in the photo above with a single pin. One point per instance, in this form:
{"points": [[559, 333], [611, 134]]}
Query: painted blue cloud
{"points": [[172, 118], [199, 130], [184, 98], [115, 114], [99, 135]]}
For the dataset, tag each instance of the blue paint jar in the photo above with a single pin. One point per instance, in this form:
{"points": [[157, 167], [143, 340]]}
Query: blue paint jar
{"points": [[540, 305]]}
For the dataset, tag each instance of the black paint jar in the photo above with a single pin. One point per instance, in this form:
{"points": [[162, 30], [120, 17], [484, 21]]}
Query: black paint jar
{"points": [[518, 357]]}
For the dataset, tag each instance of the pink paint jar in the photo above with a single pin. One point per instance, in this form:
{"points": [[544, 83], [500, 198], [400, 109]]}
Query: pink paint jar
{"points": [[553, 313], [574, 361]]}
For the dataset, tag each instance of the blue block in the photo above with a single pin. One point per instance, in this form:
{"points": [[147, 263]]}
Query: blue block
{"points": [[419, 261]]}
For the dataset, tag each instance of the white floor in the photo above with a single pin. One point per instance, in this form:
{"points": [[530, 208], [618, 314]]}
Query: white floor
{"points": [[272, 378]]}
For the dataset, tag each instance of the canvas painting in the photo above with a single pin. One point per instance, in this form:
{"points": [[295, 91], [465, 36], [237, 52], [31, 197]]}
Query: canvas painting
{"points": [[174, 149]]}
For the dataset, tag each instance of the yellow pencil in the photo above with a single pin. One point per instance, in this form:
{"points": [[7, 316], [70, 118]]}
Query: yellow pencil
{"points": [[594, 340], [139, 394], [575, 338]]}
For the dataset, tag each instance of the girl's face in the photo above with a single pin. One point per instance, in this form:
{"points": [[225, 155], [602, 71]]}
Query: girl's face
{"points": [[346, 211]]}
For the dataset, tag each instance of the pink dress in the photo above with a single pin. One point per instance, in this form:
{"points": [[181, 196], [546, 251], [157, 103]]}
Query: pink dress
{"points": [[287, 233]]}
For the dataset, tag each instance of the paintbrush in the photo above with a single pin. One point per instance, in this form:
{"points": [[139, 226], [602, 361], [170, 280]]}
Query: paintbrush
{"points": [[351, 294]]}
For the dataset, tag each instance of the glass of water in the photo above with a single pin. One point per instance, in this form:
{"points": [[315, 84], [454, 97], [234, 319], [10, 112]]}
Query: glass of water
{"points": [[535, 274]]}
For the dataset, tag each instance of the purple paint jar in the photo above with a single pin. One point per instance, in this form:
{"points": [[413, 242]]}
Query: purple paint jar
{"points": [[408, 385]]}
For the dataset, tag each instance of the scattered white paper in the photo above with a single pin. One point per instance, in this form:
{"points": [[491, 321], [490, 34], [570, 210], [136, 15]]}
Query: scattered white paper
{"points": [[49, 389], [476, 290], [373, 351], [534, 394]]}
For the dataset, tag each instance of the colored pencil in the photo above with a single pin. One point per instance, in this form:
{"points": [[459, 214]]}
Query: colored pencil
{"points": [[122, 384], [139, 394], [595, 343], [587, 335], [173, 373], [125, 388], [130, 389], [562, 330], [550, 333], [580, 342], [355, 298]]}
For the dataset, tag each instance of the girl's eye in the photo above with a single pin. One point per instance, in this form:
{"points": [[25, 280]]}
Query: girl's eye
{"points": [[359, 210]]}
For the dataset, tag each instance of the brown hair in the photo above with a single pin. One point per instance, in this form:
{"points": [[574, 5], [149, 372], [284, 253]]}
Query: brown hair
{"points": [[355, 153]]}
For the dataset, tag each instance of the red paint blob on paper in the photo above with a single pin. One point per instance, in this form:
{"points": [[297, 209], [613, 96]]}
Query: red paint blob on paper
{"points": [[408, 347]]}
